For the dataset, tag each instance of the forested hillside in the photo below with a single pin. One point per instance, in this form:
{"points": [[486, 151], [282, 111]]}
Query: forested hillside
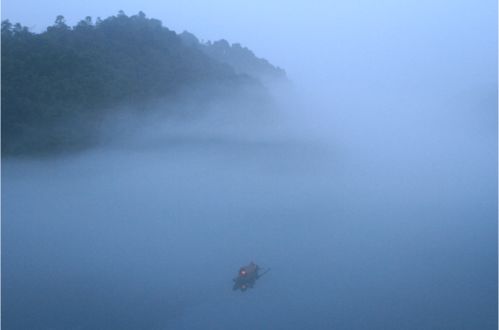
{"points": [[240, 58], [79, 74]]}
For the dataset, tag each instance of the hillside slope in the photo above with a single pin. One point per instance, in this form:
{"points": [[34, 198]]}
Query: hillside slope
{"points": [[80, 74]]}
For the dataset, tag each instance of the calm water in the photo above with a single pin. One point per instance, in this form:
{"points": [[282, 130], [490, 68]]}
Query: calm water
{"points": [[383, 221]]}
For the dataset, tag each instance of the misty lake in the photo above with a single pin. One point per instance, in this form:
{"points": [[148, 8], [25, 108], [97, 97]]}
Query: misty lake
{"points": [[383, 224]]}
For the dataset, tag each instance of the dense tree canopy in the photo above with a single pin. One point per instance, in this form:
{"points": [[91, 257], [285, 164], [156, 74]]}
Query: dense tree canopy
{"points": [[78, 73]]}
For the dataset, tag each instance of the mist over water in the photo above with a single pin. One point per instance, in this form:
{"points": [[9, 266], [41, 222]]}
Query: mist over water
{"points": [[371, 193], [368, 222]]}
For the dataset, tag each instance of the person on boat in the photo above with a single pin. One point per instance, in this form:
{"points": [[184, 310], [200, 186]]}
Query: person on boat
{"points": [[247, 277]]}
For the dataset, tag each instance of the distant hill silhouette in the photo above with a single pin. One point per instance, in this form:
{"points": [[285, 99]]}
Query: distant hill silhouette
{"points": [[240, 58], [79, 74]]}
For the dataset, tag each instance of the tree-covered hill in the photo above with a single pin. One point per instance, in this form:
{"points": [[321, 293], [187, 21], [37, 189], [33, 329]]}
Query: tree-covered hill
{"points": [[240, 58], [78, 74]]}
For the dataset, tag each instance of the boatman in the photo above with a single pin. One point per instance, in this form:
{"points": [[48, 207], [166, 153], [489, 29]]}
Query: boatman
{"points": [[247, 277]]}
